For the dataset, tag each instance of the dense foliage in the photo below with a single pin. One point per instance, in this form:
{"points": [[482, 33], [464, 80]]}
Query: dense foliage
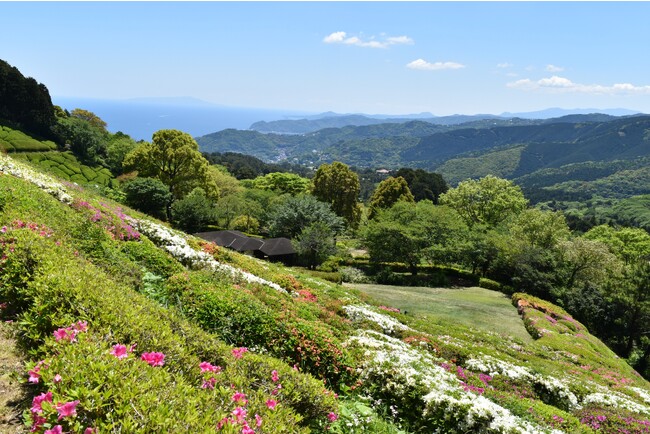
{"points": [[24, 102]]}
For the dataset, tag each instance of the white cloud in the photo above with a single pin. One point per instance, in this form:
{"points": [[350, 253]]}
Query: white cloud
{"points": [[385, 42], [505, 65], [553, 68], [336, 37], [423, 65], [564, 85]]}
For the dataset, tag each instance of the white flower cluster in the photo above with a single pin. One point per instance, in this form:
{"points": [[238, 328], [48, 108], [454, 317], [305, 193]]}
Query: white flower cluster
{"points": [[177, 245], [405, 368], [363, 312], [44, 182], [558, 390], [493, 366], [615, 399], [642, 393]]}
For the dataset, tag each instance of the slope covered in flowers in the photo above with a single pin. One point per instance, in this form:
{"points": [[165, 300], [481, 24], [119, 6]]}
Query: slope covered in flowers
{"points": [[130, 326]]}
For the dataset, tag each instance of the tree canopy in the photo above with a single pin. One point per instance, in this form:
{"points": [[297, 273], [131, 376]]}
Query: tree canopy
{"points": [[173, 157], [424, 185], [388, 193], [289, 218], [338, 185], [489, 200], [25, 102]]}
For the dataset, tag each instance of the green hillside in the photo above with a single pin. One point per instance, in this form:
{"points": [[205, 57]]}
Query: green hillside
{"points": [[12, 140], [129, 326]]}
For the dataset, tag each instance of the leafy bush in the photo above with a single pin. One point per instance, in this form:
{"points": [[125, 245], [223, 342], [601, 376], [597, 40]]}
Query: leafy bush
{"points": [[148, 195]]}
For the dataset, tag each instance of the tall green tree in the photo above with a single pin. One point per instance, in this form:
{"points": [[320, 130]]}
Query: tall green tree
{"points": [[315, 244], [173, 157], [388, 193], [148, 195], [86, 141], [289, 218], [424, 185], [282, 182], [489, 200], [338, 185], [411, 233], [629, 244], [193, 212]]}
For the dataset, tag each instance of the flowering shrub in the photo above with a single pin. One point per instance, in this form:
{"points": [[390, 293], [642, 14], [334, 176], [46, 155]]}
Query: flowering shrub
{"points": [[46, 183], [112, 219], [365, 313]]}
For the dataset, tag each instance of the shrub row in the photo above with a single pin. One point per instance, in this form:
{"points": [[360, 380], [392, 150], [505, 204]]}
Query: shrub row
{"points": [[66, 166], [47, 287]]}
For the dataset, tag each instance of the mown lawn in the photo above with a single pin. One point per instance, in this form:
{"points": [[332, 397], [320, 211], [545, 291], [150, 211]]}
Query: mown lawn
{"points": [[473, 307]]}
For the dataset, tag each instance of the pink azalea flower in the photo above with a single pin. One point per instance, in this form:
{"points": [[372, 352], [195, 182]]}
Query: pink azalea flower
{"points": [[274, 376], [4, 229], [239, 397], [239, 413], [239, 352], [258, 420], [81, 326], [247, 430], [209, 384], [271, 403], [332, 416], [67, 409], [154, 359], [38, 401], [207, 367], [120, 351], [223, 422], [55, 430], [37, 422], [90, 430], [61, 334], [34, 376], [57, 378]]}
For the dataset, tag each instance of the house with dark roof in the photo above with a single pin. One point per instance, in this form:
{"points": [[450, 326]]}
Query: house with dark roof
{"points": [[272, 249]]}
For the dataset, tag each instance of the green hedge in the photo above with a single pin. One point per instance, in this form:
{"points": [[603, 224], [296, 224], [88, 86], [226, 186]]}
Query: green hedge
{"points": [[47, 287]]}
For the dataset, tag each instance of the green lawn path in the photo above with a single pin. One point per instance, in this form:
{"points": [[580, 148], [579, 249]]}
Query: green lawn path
{"points": [[475, 307]]}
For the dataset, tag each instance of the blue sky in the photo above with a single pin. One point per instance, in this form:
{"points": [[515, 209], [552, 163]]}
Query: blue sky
{"points": [[371, 57]]}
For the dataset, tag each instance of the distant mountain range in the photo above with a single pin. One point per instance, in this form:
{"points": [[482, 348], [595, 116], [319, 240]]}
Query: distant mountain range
{"points": [[310, 124], [612, 152], [141, 117]]}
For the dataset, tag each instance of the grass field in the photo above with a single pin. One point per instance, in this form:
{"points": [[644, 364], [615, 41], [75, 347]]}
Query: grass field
{"points": [[474, 307]]}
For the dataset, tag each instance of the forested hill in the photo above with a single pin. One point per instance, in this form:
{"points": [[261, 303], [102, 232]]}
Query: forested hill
{"points": [[560, 142], [425, 145]]}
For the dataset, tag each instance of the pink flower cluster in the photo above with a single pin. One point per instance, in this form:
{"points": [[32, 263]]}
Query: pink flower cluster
{"points": [[154, 358], [70, 333], [210, 382], [121, 351], [239, 415], [113, 220], [239, 352], [42, 230], [35, 372], [65, 409]]}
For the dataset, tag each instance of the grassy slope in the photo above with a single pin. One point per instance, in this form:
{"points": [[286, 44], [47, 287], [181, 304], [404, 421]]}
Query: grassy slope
{"points": [[423, 372], [475, 307]]}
